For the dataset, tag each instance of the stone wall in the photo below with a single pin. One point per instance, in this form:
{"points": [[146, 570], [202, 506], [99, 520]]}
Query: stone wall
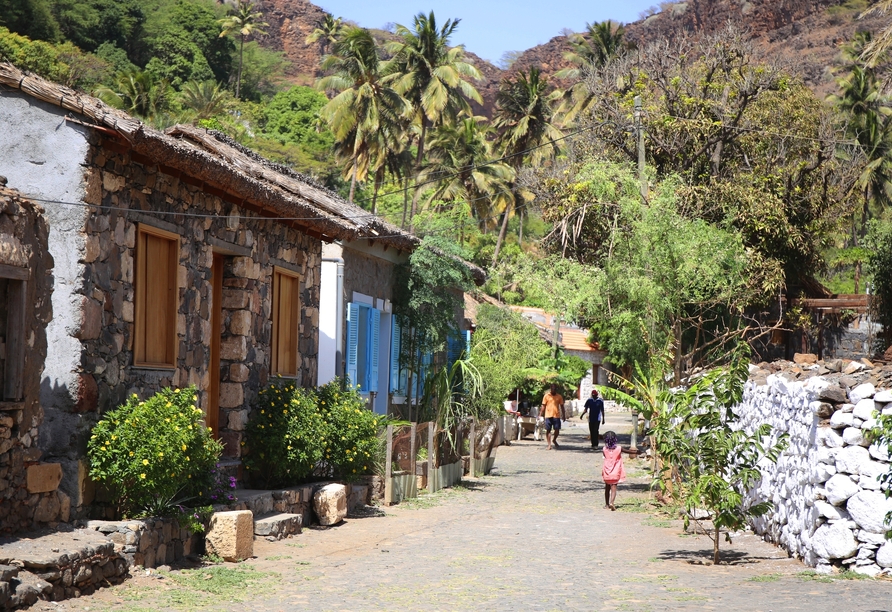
{"points": [[150, 542], [28, 488], [131, 191], [829, 509], [853, 340]]}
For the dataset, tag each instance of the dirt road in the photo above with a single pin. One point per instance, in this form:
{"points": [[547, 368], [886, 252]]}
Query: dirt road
{"points": [[532, 536]]}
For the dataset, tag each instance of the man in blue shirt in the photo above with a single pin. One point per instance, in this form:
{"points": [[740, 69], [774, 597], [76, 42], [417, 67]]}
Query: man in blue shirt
{"points": [[595, 408]]}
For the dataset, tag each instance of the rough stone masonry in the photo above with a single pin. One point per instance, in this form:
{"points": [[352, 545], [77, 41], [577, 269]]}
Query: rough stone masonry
{"points": [[829, 508]]}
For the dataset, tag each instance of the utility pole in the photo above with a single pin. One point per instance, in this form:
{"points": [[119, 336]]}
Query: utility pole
{"points": [[639, 131]]}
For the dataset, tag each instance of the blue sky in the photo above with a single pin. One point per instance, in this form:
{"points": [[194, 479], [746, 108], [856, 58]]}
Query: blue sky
{"points": [[489, 28]]}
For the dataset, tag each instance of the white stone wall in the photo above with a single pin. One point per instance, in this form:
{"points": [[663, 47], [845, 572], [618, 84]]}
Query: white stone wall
{"points": [[829, 509]]}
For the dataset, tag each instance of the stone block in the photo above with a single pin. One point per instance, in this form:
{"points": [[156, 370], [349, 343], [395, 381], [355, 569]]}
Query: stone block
{"points": [[865, 409], [234, 348], [805, 358], [841, 420], [239, 372], [840, 488], [90, 320], [44, 477], [234, 299], [278, 526], [862, 391], [834, 394], [850, 458], [231, 535], [238, 420], [883, 397], [330, 504], [869, 509], [232, 395], [835, 541], [240, 323], [884, 555]]}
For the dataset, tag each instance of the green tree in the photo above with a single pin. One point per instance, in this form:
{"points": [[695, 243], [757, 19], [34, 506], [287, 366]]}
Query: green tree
{"points": [[879, 269], [89, 23], [715, 459], [460, 165], [178, 60], [138, 93], [433, 77], [206, 99], [366, 105], [601, 43], [245, 22], [31, 18], [327, 31], [524, 121]]}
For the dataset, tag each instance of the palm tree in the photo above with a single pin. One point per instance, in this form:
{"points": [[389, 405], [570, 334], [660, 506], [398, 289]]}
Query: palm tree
{"points": [[366, 114], [432, 76], [207, 99], [875, 50], [246, 22], [602, 42], [137, 93], [327, 31], [524, 121], [459, 163]]}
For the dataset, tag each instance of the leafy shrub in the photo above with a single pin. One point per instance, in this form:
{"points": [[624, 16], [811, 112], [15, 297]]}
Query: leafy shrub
{"points": [[286, 435], [353, 431], [154, 454]]}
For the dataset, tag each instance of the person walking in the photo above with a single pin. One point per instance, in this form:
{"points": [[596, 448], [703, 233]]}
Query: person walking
{"points": [[553, 411], [595, 408], [613, 472]]}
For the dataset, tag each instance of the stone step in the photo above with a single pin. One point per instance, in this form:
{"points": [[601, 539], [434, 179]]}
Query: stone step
{"points": [[57, 566], [278, 526]]}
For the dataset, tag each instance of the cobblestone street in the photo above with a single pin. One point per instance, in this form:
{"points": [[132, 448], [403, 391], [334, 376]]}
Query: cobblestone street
{"points": [[532, 536]]}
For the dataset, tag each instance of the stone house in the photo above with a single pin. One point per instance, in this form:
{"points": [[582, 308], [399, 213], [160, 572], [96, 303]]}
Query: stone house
{"points": [[28, 488], [181, 258]]}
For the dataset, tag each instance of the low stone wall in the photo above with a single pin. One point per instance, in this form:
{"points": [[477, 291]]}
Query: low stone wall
{"points": [[148, 542], [828, 506]]}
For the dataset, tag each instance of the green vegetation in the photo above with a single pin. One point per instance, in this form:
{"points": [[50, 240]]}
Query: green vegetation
{"points": [[154, 454]]}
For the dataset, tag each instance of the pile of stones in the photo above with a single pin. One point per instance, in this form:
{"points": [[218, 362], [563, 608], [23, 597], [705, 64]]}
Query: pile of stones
{"points": [[829, 504]]}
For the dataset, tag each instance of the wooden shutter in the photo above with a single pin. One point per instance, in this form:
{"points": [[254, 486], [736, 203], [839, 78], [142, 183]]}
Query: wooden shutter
{"points": [[352, 342], [373, 336], [155, 341], [395, 345], [286, 312]]}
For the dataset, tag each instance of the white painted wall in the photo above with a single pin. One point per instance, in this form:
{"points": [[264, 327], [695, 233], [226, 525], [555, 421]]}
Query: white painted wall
{"points": [[328, 322]]}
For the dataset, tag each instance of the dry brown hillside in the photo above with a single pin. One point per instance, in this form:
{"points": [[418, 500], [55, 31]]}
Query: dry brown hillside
{"points": [[806, 34]]}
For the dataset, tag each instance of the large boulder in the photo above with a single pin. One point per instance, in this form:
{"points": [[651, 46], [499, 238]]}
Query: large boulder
{"points": [[861, 392], [231, 535], [865, 409], [869, 509], [330, 504], [850, 458], [884, 555], [839, 489], [833, 393], [835, 541]]}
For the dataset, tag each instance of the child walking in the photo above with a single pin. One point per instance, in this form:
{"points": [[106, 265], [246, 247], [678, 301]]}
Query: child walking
{"points": [[613, 471]]}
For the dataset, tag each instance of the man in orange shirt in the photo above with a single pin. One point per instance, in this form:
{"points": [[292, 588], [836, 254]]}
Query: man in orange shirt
{"points": [[553, 410]]}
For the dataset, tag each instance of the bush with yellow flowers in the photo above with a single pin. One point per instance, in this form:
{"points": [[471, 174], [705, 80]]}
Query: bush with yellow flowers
{"points": [[286, 435], [353, 431], [155, 454]]}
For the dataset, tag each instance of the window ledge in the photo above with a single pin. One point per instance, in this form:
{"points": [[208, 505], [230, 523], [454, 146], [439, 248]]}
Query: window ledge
{"points": [[155, 367]]}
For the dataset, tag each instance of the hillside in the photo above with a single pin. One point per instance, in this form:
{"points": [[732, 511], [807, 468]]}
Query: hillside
{"points": [[806, 34]]}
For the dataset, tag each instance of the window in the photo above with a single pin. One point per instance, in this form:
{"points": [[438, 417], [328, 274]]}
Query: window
{"points": [[155, 341], [286, 319], [399, 371], [363, 330]]}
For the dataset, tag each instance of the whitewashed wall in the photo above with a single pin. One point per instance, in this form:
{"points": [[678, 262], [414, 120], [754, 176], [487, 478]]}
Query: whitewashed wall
{"points": [[829, 509]]}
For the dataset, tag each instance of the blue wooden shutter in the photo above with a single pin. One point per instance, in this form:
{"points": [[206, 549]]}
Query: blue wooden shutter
{"points": [[373, 336], [454, 348], [352, 342], [395, 345]]}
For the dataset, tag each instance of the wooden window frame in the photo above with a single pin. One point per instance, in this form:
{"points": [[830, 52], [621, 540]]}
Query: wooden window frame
{"points": [[275, 368], [14, 357], [140, 300]]}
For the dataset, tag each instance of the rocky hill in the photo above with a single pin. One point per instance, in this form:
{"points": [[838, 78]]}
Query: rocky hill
{"points": [[806, 34]]}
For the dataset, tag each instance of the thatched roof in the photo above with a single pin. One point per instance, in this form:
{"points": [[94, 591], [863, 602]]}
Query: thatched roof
{"points": [[220, 164]]}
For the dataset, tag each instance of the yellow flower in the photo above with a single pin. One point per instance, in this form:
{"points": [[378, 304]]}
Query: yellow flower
{"points": [[102, 448], [176, 390], [131, 453], [145, 462], [184, 447], [142, 476], [160, 454]]}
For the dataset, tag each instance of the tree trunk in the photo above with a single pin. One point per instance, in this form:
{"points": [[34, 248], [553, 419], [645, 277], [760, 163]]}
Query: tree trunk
{"points": [[418, 160], [502, 231], [352, 182], [405, 201], [857, 275], [520, 229], [715, 547], [241, 58], [375, 194]]}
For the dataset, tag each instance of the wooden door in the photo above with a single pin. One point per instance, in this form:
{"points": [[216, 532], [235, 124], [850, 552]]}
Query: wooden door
{"points": [[213, 415]]}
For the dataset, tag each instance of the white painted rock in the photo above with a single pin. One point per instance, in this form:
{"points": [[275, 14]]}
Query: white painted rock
{"points": [[867, 570], [861, 392], [884, 555], [868, 424], [840, 488], [830, 511], [870, 473], [865, 409], [330, 504], [874, 539], [827, 455], [883, 397], [841, 419], [852, 436], [835, 541], [887, 410], [821, 472], [846, 407], [850, 458], [878, 451], [868, 509], [829, 437]]}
